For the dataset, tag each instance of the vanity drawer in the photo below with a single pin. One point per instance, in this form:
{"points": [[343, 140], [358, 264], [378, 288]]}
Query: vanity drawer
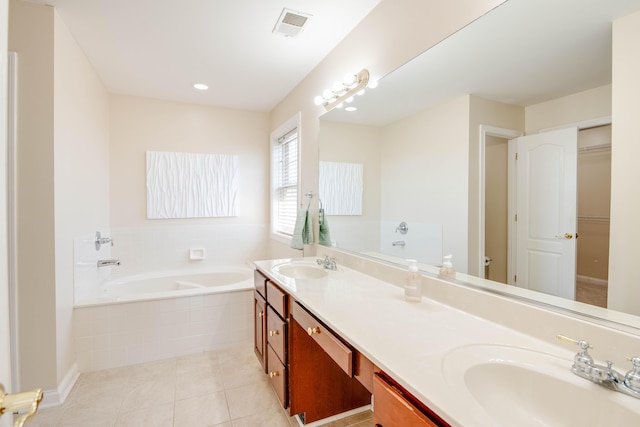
{"points": [[277, 299], [260, 283], [330, 343], [277, 377], [276, 333]]}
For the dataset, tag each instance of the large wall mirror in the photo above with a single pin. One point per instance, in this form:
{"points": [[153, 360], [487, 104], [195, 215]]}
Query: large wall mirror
{"points": [[437, 142]]}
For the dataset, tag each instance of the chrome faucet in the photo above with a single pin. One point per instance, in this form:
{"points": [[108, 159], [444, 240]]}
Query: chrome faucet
{"points": [[606, 376], [329, 263], [108, 262]]}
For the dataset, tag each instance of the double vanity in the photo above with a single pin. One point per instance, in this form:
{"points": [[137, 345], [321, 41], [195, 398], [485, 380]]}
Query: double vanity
{"points": [[330, 337]]}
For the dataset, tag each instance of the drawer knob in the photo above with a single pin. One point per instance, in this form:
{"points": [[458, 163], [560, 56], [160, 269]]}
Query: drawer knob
{"points": [[274, 374], [261, 314], [274, 333], [312, 331]]}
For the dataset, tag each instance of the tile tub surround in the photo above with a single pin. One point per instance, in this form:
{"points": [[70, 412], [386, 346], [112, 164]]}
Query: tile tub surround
{"points": [[225, 388], [114, 335], [371, 315]]}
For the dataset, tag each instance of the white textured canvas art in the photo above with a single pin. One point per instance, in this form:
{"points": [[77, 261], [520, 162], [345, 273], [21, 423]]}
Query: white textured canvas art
{"points": [[341, 187], [188, 185]]}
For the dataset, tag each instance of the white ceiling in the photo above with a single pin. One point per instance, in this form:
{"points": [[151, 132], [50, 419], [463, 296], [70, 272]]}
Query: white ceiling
{"points": [[523, 52], [160, 48]]}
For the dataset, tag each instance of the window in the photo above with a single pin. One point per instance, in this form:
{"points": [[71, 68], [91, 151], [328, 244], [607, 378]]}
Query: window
{"points": [[284, 179]]}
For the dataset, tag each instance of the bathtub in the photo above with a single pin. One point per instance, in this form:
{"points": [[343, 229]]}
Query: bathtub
{"points": [[171, 284], [161, 315]]}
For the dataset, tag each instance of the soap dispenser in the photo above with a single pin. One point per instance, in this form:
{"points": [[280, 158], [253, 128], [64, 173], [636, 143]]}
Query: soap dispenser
{"points": [[412, 284], [447, 269]]}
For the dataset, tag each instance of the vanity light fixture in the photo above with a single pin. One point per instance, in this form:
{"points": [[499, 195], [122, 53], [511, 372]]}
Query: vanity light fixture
{"points": [[201, 86], [352, 84]]}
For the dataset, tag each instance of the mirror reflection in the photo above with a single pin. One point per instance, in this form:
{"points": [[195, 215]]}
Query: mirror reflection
{"points": [[437, 144]]}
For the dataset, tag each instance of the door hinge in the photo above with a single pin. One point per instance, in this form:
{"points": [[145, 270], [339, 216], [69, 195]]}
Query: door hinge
{"points": [[515, 218], [515, 278], [516, 156]]}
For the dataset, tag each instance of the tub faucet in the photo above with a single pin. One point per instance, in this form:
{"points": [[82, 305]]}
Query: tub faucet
{"points": [[108, 262]]}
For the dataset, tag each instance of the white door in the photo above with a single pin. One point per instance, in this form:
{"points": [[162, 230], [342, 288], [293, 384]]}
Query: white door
{"points": [[546, 212]]}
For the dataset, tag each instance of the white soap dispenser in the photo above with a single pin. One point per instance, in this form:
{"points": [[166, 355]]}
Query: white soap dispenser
{"points": [[447, 269], [413, 282]]}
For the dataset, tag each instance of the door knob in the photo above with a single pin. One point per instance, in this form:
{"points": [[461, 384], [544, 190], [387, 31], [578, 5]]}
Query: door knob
{"points": [[568, 236], [16, 401]]}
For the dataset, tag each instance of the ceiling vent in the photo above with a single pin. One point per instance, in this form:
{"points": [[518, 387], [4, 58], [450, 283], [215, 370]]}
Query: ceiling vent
{"points": [[291, 23]]}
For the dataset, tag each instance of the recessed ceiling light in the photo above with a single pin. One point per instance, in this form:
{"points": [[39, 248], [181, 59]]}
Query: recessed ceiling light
{"points": [[201, 86], [350, 109]]}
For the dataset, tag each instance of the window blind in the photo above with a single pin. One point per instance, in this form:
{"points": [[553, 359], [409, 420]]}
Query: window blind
{"points": [[286, 188]]}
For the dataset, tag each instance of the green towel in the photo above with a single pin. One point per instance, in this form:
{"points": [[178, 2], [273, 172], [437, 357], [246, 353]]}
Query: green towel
{"points": [[302, 231], [324, 238]]}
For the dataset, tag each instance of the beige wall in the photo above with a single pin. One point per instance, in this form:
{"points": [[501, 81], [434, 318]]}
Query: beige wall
{"points": [[141, 124], [350, 143], [496, 197], [393, 33], [81, 172], [5, 365], [425, 173], [624, 275], [488, 113], [578, 107], [31, 34]]}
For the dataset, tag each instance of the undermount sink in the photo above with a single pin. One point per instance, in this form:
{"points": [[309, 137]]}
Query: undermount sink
{"points": [[516, 386], [301, 271]]}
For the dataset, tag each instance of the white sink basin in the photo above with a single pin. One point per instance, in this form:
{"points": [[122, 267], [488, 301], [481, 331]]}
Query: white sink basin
{"points": [[515, 386], [300, 271]]}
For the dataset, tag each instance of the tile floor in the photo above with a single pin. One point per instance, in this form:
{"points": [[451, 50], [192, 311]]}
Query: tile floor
{"points": [[216, 389]]}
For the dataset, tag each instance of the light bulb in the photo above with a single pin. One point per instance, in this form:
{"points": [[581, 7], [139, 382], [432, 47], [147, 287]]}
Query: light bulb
{"points": [[318, 100], [327, 94], [360, 92], [337, 87], [349, 99], [349, 79], [373, 84], [340, 105]]}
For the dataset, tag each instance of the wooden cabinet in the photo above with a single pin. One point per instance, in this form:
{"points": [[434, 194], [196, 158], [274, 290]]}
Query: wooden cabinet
{"points": [[260, 328], [260, 318], [321, 374], [270, 334], [394, 407]]}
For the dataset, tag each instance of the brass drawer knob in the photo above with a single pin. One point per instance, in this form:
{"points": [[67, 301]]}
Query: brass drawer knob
{"points": [[274, 374], [274, 333], [312, 331]]}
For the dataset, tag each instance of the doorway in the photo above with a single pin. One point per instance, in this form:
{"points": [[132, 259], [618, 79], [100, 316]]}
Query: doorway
{"points": [[593, 201]]}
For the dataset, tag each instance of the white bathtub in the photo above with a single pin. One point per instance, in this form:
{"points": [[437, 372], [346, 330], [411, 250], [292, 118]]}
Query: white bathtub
{"points": [[171, 284], [155, 316]]}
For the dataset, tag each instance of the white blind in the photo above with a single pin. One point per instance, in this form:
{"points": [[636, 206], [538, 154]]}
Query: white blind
{"points": [[286, 187]]}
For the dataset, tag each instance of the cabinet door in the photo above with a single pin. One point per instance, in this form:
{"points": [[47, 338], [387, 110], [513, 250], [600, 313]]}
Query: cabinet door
{"points": [[392, 409], [260, 328], [276, 333], [277, 376]]}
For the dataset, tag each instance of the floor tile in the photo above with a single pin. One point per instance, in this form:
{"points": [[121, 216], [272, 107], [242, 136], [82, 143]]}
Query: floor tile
{"points": [[271, 418], [198, 382], [201, 411], [155, 416], [140, 395], [251, 399]]}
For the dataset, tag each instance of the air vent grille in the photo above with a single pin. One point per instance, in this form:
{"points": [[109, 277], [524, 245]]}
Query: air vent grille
{"points": [[291, 23]]}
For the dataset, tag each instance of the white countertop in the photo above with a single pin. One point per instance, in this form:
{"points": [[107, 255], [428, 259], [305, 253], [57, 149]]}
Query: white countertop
{"points": [[408, 341]]}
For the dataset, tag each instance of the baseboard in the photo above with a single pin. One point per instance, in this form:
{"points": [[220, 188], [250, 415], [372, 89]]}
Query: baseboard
{"points": [[57, 396], [592, 280]]}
